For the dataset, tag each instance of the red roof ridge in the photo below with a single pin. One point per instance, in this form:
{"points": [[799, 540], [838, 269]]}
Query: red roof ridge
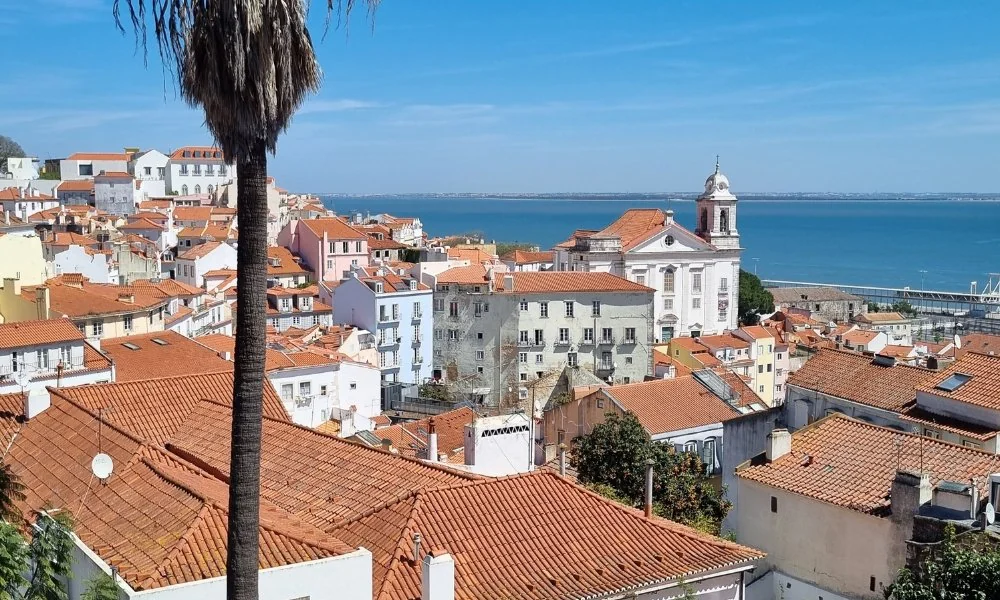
{"points": [[104, 422]]}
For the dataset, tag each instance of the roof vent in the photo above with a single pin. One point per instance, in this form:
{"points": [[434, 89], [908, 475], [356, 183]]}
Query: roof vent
{"points": [[885, 361]]}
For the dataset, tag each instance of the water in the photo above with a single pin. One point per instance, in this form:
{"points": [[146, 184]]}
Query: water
{"points": [[881, 241]]}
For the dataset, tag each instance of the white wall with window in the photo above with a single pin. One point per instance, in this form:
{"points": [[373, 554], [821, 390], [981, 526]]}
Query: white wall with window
{"points": [[312, 395]]}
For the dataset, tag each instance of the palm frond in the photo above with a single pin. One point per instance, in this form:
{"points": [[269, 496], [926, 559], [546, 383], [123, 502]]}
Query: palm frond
{"points": [[248, 63]]}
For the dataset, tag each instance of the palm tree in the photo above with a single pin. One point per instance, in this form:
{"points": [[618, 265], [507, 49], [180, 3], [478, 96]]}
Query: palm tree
{"points": [[11, 492], [248, 64]]}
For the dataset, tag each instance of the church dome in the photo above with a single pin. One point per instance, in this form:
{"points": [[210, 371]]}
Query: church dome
{"points": [[716, 182]]}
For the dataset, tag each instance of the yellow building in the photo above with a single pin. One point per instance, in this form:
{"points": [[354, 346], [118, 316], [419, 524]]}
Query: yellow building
{"points": [[22, 258], [762, 344]]}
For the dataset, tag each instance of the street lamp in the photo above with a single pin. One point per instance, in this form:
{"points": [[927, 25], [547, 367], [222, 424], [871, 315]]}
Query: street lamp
{"points": [[755, 261], [922, 273]]}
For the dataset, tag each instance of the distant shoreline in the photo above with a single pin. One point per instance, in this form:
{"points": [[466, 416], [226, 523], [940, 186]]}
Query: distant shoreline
{"points": [[670, 197]]}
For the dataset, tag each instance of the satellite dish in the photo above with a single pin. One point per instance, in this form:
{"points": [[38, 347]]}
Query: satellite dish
{"points": [[102, 466], [22, 378], [958, 342], [991, 514]]}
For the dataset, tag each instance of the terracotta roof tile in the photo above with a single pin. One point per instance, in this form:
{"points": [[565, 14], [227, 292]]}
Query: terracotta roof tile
{"points": [[141, 357], [200, 250], [757, 332], [411, 438], [37, 333], [895, 351], [979, 342], [472, 275], [98, 156], [193, 213], [860, 379], [348, 481], [852, 464], [880, 317], [178, 154], [287, 265], [517, 537], [335, 228], [858, 337], [983, 385], [78, 185], [154, 409], [524, 257], [69, 239]]}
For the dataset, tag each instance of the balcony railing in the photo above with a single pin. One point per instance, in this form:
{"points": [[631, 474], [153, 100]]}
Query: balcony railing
{"points": [[416, 341], [387, 318], [628, 341], [417, 316], [587, 342], [607, 341], [417, 360], [564, 342]]}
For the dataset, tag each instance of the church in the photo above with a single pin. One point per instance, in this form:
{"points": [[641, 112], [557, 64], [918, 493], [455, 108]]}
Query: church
{"points": [[695, 275]]}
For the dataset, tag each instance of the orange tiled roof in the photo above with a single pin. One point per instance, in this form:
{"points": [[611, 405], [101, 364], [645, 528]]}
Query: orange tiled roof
{"points": [[665, 405], [543, 282], [472, 275], [38, 333], [384, 244], [70, 239], [98, 156], [73, 295], [880, 317], [860, 379], [726, 340], [200, 250], [411, 438], [335, 228], [852, 464], [193, 213], [76, 185], [757, 332], [662, 358], [979, 342], [524, 257], [983, 387], [350, 479], [161, 354], [154, 204], [287, 265], [154, 409], [860, 336], [898, 351], [924, 418], [512, 538], [473, 255], [142, 224], [178, 154]]}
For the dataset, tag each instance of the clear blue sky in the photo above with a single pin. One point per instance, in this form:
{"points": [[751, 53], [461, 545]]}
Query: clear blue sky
{"points": [[500, 96]]}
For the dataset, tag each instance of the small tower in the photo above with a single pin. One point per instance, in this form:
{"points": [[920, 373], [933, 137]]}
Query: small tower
{"points": [[716, 212]]}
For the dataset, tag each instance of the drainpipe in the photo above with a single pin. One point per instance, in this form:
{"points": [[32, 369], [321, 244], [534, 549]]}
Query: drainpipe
{"points": [[649, 487]]}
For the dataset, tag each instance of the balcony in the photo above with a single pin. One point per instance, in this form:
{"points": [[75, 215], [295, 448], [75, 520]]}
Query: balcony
{"points": [[418, 360], [387, 318], [417, 316], [565, 342], [524, 343], [587, 342], [387, 341], [628, 342], [416, 341], [607, 341]]}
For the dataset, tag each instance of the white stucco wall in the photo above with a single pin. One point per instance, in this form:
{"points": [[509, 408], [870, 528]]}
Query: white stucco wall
{"points": [[22, 259], [222, 257], [74, 259]]}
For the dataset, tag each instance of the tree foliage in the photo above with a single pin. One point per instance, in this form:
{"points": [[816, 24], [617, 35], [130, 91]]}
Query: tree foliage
{"points": [[755, 300], [11, 492], [8, 148], [614, 454], [46, 559], [504, 248], [435, 391], [101, 587], [950, 573], [904, 308]]}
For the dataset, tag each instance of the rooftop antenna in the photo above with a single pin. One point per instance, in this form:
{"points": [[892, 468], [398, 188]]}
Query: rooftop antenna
{"points": [[102, 465], [916, 430]]}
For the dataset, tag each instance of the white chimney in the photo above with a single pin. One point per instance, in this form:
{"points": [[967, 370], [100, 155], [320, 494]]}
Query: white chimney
{"points": [[438, 577], [508, 283], [432, 442], [36, 401], [562, 459], [649, 487], [779, 443]]}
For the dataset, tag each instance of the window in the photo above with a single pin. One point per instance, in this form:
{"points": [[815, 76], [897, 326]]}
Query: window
{"points": [[395, 312], [147, 170], [871, 583], [345, 247], [668, 304], [453, 309], [774, 504], [184, 190], [416, 310], [66, 356], [770, 348], [932, 434], [296, 320], [761, 389], [975, 445], [606, 361], [480, 355], [357, 246], [453, 335], [696, 283], [480, 370], [769, 367], [588, 335], [543, 308], [668, 281], [438, 334], [539, 337], [595, 308], [86, 169], [523, 336], [478, 309], [564, 334], [197, 188], [630, 335], [524, 305], [628, 360], [42, 359], [97, 328], [539, 359], [640, 278], [522, 357], [696, 303], [479, 335], [287, 390], [569, 309], [161, 171], [606, 336], [333, 247], [723, 314], [600, 403], [439, 305], [523, 377], [571, 359], [626, 380], [760, 368], [724, 285]]}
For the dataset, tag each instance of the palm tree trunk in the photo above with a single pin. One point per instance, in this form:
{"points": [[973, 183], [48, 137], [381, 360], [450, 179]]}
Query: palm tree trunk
{"points": [[248, 388]]}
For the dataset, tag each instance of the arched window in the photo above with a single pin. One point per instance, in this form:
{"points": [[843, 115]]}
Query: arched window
{"points": [[211, 188], [724, 220], [704, 219], [197, 189], [668, 281], [184, 190]]}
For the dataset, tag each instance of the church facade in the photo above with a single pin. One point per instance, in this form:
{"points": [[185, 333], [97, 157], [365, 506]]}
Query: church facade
{"points": [[695, 275]]}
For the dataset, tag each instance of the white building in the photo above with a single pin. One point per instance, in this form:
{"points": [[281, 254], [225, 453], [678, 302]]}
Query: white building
{"points": [[94, 265], [198, 170], [21, 167], [695, 275], [115, 193], [894, 325], [191, 266], [150, 171], [36, 354], [500, 445], [398, 310], [24, 203], [84, 165]]}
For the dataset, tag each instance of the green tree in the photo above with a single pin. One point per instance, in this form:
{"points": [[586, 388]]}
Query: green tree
{"points": [[46, 559], [13, 562], [873, 307], [950, 573], [904, 308], [435, 391], [8, 148], [755, 300], [504, 248], [101, 587], [11, 492], [248, 64], [614, 454]]}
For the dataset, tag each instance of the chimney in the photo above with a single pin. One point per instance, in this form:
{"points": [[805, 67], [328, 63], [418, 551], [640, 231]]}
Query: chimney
{"points": [[432, 442], [42, 304], [387, 445], [669, 216], [649, 487], [671, 372], [508, 283], [438, 577], [562, 459], [779, 443], [35, 401], [974, 508], [910, 490]]}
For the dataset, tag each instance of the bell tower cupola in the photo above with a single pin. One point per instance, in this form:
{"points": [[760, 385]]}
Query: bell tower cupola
{"points": [[716, 212]]}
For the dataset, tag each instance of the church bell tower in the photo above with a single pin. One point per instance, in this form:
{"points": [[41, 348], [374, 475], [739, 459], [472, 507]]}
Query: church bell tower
{"points": [[716, 212]]}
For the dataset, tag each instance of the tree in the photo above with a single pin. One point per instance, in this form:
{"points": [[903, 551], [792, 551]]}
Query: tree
{"points": [[874, 307], [248, 64], [8, 148], [611, 460], [11, 492], [950, 573], [755, 300], [904, 308], [101, 587], [46, 559]]}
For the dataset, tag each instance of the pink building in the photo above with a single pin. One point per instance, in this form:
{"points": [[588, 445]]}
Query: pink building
{"points": [[328, 245]]}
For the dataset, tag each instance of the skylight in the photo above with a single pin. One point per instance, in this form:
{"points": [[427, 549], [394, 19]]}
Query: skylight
{"points": [[158, 342], [130, 346], [954, 381]]}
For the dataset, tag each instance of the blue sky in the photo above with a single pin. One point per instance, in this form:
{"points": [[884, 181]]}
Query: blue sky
{"points": [[490, 96]]}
